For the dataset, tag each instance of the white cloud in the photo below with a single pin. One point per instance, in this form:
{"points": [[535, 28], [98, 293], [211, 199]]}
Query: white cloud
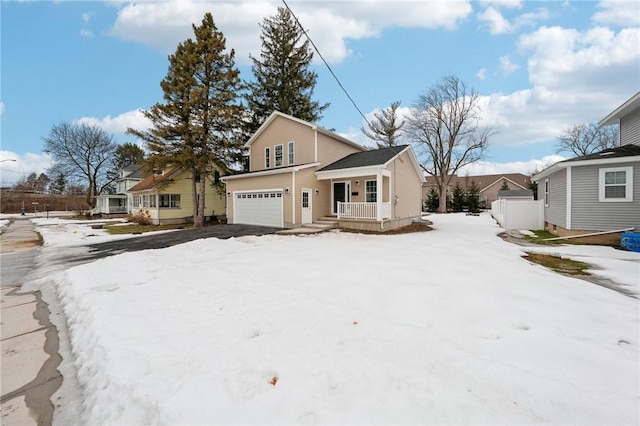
{"points": [[14, 171], [119, 124], [86, 17], [510, 4], [507, 66], [1, 107], [162, 25], [86, 33], [525, 167], [496, 23], [618, 12], [482, 74]]}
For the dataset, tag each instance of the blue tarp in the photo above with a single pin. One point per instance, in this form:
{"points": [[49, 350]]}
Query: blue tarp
{"points": [[630, 241]]}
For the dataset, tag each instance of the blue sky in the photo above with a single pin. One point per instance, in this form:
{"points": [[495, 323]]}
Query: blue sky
{"points": [[540, 66]]}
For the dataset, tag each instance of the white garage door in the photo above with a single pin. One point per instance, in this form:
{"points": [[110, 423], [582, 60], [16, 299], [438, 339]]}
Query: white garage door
{"points": [[258, 208]]}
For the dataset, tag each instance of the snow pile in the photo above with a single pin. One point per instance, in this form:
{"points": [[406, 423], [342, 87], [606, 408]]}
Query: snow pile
{"points": [[58, 232], [449, 326], [3, 224]]}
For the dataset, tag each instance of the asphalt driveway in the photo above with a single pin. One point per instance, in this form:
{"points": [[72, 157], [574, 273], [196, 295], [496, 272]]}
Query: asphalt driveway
{"points": [[168, 239]]}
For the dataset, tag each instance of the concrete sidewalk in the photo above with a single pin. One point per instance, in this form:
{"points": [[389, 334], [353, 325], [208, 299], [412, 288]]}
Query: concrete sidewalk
{"points": [[28, 341]]}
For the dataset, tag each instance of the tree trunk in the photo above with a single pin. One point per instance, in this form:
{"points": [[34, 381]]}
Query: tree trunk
{"points": [[198, 220], [442, 207], [194, 196]]}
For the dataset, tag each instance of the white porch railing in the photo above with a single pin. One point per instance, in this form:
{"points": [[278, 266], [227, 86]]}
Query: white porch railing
{"points": [[363, 210]]}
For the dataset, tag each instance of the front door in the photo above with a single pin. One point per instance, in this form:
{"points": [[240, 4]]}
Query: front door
{"points": [[341, 193], [306, 206]]}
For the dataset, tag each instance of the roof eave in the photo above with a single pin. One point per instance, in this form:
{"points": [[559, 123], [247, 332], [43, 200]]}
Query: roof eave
{"points": [[624, 109]]}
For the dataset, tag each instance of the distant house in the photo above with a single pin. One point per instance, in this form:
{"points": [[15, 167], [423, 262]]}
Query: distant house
{"points": [[598, 192], [300, 173], [119, 203], [167, 196], [489, 185], [515, 194]]}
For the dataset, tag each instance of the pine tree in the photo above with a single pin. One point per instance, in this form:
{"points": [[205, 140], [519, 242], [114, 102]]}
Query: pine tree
{"points": [[473, 197], [457, 199], [128, 154], [385, 128], [282, 79], [433, 200], [197, 125]]}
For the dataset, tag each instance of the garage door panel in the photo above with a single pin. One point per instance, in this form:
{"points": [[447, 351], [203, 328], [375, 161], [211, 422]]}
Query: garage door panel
{"points": [[258, 208]]}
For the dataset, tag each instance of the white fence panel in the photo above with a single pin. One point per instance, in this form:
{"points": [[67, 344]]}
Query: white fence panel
{"points": [[518, 214]]}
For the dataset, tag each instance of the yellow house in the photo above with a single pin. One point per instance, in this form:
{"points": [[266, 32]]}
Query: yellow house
{"points": [[300, 173], [167, 197]]}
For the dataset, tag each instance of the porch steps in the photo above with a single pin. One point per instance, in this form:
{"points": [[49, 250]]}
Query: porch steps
{"points": [[312, 228]]}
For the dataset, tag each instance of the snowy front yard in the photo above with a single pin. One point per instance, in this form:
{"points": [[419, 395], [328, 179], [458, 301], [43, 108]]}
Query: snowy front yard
{"points": [[449, 326]]}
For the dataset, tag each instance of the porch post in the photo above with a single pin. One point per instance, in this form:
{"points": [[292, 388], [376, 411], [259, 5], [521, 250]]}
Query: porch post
{"points": [[379, 196]]}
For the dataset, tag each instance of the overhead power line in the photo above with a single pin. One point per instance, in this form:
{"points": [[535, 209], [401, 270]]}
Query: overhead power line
{"points": [[326, 63]]}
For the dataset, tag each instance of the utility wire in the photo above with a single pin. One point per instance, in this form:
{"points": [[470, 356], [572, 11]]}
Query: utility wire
{"points": [[325, 62]]}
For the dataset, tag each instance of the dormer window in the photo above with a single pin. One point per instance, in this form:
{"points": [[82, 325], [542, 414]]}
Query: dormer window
{"points": [[279, 154]]}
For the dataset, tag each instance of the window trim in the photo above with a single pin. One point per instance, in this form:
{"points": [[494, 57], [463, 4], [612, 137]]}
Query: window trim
{"points": [[172, 200], [267, 157], [628, 184], [275, 155], [367, 192], [291, 156], [546, 192]]}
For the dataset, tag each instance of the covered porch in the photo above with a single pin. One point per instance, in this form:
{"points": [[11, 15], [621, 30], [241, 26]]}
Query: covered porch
{"points": [[110, 204], [360, 193]]}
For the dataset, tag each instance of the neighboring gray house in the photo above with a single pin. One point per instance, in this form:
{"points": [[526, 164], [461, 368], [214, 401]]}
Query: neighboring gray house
{"points": [[597, 192]]}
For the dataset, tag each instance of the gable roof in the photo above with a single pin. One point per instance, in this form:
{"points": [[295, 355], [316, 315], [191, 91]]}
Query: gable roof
{"points": [[153, 180], [276, 114], [625, 109], [484, 181], [629, 152], [376, 157]]}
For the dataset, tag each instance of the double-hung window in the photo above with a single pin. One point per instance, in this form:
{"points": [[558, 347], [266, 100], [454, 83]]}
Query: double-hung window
{"points": [[279, 149], [291, 153], [267, 157], [171, 201], [371, 191], [615, 184]]}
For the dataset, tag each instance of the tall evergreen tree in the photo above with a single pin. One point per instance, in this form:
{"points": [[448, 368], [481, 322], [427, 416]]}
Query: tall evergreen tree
{"points": [[128, 154], [386, 126], [457, 198], [197, 125], [282, 78]]}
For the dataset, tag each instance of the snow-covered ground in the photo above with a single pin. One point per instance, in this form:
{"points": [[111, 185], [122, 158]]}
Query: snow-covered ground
{"points": [[450, 326]]}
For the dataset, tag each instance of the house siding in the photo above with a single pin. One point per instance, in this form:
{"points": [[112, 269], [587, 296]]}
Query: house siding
{"points": [[280, 132], [589, 214], [556, 212], [407, 186], [181, 184], [331, 150], [630, 128]]}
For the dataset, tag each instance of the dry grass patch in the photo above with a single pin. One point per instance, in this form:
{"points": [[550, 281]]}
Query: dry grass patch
{"points": [[559, 264]]}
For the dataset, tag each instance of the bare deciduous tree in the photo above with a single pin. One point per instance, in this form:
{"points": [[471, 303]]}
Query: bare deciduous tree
{"points": [[445, 121], [386, 127], [585, 139], [84, 153]]}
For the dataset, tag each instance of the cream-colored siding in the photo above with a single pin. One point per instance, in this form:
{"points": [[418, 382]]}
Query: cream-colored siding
{"points": [[182, 185], [330, 150], [407, 186], [280, 132]]}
